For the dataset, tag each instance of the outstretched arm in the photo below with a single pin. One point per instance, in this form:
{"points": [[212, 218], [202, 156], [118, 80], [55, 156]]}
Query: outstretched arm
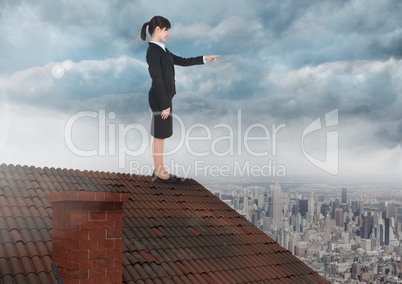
{"points": [[211, 58], [193, 60]]}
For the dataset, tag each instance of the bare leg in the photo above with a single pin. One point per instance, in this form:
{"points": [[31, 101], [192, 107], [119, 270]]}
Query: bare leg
{"points": [[157, 152]]}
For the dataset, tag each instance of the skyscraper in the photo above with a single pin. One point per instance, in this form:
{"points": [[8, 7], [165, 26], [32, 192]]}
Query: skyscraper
{"points": [[298, 227], [303, 207], [325, 209], [276, 193], [391, 211], [311, 204], [339, 217], [387, 231], [260, 199], [286, 235], [335, 204], [366, 229], [344, 198], [245, 208]]}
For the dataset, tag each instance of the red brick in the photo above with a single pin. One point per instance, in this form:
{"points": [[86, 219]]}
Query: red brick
{"points": [[110, 280], [97, 273], [118, 261], [100, 196], [85, 236], [79, 274], [73, 281], [88, 263], [106, 243], [86, 196], [59, 224], [89, 205], [79, 216], [109, 224], [97, 253], [106, 262], [79, 235], [118, 224], [97, 216], [89, 225], [62, 236], [70, 195], [115, 215], [72, 264], [79, 254], [97, 235], [113, 271], [82, 281], [109, 196], [63, 272], [114, 234], [117, 253], [118, 245], [123, 197], [57, 234], [65, 263], [72, 205], [58, 206], [58, 259], [60, 252], [88, 244], [107, 206], [74, 225], [68, 244], [118, 206]]}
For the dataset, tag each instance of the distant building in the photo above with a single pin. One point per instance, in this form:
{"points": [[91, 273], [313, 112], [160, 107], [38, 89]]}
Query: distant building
{"points": [[301, 249], [392, 212], [335, 204], [356, 270], [303, 207], [366, 229], [298, 223], [344, 198], [277, 206], [339, 217], [325, 209], [387, 230]]}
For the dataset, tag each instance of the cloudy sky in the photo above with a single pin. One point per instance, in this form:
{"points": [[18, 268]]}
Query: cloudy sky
{"points": [[302, 88]]}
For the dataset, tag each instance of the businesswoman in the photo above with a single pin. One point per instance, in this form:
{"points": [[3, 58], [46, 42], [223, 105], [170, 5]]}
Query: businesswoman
{"points": [[161, 69]]}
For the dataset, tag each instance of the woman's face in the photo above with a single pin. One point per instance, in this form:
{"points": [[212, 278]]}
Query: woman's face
{"points": [[162, 34]]}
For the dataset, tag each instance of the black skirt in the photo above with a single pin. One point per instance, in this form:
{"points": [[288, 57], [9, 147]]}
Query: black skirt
{"points": [[160, 128]]}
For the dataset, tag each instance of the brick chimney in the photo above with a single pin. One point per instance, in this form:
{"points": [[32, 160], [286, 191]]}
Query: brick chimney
{"points": [[87, 236]]}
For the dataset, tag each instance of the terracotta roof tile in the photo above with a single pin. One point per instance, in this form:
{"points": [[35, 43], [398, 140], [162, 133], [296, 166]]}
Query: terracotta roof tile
{"points": [[179, 233]]}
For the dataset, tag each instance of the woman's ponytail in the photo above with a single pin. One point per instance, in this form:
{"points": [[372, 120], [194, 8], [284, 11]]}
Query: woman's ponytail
{"points": [[157, 21], [144, 31]]}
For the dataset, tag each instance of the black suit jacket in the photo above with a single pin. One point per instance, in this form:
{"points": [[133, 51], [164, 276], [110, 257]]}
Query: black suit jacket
{"points": [[161, 68]]}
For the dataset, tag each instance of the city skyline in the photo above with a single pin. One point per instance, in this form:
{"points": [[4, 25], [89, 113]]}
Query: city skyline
{"points": [[346, 242]]}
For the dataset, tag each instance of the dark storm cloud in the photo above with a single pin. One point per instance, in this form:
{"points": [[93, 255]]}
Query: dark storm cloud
{"points": [[312, 32], [35, 33]]}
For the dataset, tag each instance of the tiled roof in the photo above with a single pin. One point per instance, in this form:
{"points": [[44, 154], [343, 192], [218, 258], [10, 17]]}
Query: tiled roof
{"points": [[179, 233]]}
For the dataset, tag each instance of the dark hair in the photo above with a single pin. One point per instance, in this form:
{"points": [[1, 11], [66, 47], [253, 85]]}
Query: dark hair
{"points": [[157, 21]]}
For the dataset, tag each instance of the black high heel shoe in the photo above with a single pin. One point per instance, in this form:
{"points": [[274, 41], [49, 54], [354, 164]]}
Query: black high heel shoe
{"points": [[171, 179]]}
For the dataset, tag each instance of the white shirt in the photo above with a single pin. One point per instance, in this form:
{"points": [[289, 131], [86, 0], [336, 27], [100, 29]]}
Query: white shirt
{"points": [[162, 45]]}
